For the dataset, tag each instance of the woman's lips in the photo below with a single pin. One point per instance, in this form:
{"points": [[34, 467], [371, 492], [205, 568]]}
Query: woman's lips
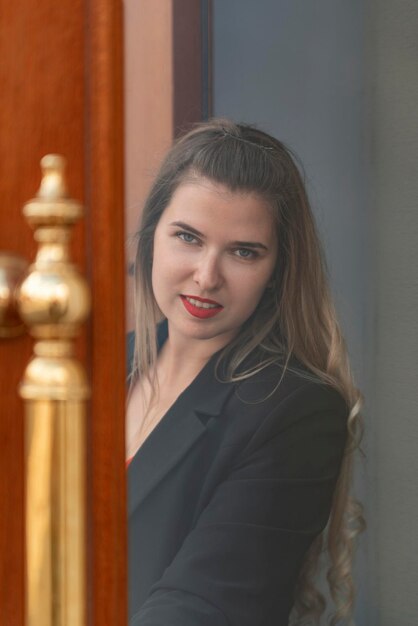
{"points": [[201, 307]]}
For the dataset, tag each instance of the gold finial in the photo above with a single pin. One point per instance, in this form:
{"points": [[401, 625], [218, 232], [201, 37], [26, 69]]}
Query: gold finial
{"points": [[52, 204], [53, 301], [54, 298], [53, 185]]}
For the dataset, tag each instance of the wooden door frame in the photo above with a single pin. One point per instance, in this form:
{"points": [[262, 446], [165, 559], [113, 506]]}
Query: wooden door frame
{"points": [[106, 269], [61, 71]]}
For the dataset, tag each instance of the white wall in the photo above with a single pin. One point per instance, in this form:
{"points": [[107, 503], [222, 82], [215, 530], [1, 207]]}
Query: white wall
{"points": [[337, 81]]}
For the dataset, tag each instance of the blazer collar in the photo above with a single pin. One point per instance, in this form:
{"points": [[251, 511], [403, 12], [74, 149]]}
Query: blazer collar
{"points": [[179, 429]]}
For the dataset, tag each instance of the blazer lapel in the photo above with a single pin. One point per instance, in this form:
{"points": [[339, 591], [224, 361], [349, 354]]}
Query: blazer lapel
{"points": [[180, 428]]}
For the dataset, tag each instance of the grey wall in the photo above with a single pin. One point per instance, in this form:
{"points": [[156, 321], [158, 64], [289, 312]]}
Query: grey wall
{"points": [[394, 422], [296, 69], [337, 81]]}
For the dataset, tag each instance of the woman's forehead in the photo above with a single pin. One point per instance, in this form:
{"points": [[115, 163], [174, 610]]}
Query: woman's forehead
{"points": [[213, 204]]}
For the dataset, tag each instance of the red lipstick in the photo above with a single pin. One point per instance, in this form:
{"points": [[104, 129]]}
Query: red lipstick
{"points": [[202, 312]]}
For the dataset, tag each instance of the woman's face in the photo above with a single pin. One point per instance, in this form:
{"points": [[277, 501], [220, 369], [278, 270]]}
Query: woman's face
{"points": [[214, 254]]}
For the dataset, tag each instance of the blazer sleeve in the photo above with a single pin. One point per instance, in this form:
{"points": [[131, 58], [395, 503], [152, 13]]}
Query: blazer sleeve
{"points": [[239, 564]]}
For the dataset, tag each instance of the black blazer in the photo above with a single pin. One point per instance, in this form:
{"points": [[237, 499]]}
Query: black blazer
{"points": [[225, 497]]}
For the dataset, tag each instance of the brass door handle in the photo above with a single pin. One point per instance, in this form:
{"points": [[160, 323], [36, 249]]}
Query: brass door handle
{"points": [[12, 271], [51, 299]]}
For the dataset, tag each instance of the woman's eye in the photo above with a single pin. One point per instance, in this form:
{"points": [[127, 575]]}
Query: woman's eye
{"points": [[245, 253], [186, 237]]}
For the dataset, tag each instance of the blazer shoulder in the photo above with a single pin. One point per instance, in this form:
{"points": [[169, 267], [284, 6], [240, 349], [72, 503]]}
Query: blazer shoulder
{"points": [[275, 383], [274, 400]]}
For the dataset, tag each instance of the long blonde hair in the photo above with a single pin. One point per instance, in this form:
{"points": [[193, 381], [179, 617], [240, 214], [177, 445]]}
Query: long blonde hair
{"points": [[295, 317]]}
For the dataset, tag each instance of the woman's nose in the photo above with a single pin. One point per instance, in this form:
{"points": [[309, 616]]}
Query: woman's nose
{"points": [[208, 274]]}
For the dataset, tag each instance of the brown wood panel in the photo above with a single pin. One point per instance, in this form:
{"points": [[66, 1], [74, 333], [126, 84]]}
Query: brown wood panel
{"points": [[42, 88], [61, 79], [105, 223]]}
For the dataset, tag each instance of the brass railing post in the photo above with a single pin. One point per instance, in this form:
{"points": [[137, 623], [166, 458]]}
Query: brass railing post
{"points": [[53, 300]]}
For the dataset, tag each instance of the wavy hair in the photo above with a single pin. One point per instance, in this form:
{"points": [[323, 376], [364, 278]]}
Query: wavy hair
{"points": [[294, 318]]}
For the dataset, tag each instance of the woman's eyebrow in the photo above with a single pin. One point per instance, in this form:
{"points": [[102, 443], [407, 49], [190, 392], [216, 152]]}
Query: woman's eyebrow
{"points": [[241, 244], [249, 244], [187, 227]]}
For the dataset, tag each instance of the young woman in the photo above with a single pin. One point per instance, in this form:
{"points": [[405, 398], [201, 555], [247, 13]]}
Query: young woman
{"points": [[243, 416]]}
